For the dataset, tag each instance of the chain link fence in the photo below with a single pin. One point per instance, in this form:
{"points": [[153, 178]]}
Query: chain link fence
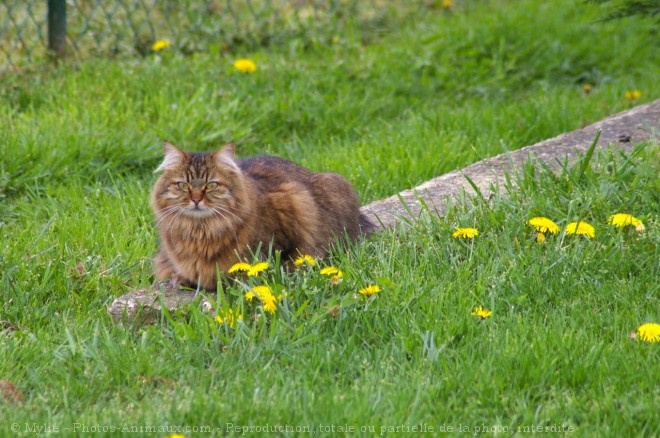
{"points": [[33, 31]]}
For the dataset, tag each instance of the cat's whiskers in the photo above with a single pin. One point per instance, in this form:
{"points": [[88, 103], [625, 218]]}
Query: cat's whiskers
{"points": [[218, 210], [221, 210], [237, 208], [171, 223], [240, 218], [167, 210], [164, 214]]}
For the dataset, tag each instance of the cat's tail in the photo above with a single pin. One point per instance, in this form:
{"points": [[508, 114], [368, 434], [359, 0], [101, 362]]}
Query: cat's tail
{"points": [[367, 227]]}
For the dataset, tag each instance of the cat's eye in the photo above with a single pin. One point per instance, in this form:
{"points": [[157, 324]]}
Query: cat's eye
{"points": [[212, 185], [182, 185]]}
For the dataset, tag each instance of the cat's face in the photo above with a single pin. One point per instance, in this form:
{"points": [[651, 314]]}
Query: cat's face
{"points": [[196, 185]]}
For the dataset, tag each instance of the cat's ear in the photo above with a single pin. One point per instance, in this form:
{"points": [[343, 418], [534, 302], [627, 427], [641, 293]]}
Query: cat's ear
{"points": [[225, 155], [173, 157]]}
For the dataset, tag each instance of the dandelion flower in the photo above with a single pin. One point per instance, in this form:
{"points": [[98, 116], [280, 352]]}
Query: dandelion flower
{"points": [[265, 294], [544, 225], [633, 94], [369, 290], [268, 301], [586, 88], [332, 270], [257, 269], [540, 238], [160, 45], [305, 259], [465, 233], [269, 305], [446, 4], [481, 312], [621, 220], [241, 266], [267, 298], [245, 65], [649, 332], [262, 291], [581, 228], [229, 317]]}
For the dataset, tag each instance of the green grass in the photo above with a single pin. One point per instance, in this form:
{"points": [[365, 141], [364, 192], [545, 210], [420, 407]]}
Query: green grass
{"points": [[388, 110]]}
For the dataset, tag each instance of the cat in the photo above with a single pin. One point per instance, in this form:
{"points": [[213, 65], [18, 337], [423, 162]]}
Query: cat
{"points": [[213, 210]]}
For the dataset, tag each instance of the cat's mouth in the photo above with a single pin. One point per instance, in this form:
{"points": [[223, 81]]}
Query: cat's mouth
{"points": [[197, 211]]}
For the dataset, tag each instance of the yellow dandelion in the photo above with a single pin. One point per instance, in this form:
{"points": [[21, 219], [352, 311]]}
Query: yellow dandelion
{"points": [[370, 290], [586, 88], [649, 332], [621, 220], [481, 312], [446, 4], [465, 233], [245, 65], [160, 45], [544, 225], [581, 228], [269, 305], [267, 298], [262, 291], [257, 269], [176, 435], [305, 259], [241, 266], [333, 271], [229, 317], [540, 238], [265, 294], [633, 94]]}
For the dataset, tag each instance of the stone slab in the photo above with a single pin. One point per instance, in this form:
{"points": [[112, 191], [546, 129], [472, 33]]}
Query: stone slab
{"points": [[146, 306], [620, 131]]}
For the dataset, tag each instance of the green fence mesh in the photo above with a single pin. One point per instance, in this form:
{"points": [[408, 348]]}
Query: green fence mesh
{"points": [[130, 27]]}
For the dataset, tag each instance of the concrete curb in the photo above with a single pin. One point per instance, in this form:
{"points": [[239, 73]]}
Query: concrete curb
{"points": [[619, 131]]}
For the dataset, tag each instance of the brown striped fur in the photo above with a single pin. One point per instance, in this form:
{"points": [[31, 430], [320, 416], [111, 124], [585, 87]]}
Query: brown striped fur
{"points": [[205, 228]]}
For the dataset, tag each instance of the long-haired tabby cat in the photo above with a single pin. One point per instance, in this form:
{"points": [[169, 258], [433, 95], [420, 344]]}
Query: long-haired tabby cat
{"points": [[212, 210]]}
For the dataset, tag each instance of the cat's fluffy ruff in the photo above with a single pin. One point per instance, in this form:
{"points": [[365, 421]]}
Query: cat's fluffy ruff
{"points": [[211, 210]]}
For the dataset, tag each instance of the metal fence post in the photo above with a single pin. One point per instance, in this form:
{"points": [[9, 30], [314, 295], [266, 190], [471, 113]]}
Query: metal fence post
{"points": [[57, 28]]}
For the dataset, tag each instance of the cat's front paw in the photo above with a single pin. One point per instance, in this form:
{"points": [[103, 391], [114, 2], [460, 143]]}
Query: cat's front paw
{"points": [[169, 284], [174, 281]]}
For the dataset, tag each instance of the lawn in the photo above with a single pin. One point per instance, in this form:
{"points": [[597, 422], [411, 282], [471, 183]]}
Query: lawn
{"points": [[388, 108]]}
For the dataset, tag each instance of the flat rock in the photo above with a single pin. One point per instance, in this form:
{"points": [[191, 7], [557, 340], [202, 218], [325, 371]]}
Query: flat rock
{"points": [[620, 131], [145, 306]]}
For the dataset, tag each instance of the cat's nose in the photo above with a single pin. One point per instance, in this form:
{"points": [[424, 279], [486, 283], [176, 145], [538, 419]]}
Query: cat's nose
{"points": [[196, 198]]}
